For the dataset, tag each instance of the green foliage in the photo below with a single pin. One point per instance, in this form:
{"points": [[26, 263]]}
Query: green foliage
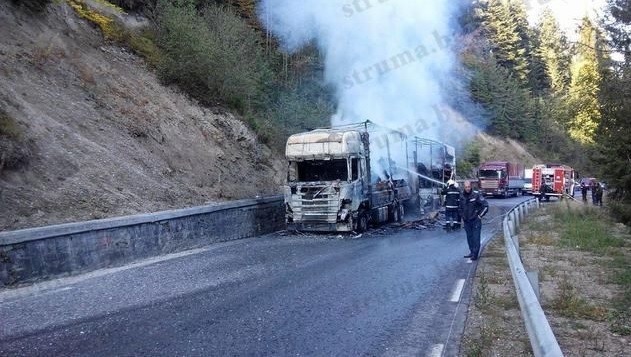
{"points": [[621, 211], [215, 57], [33, 5], [520, 76], [570, 304], [586, 229], [468, 161], [506, 26], [553, 51], [613, 141], [510, 105], [8, 127], [135, 5], [585, 86], [143, 43]]}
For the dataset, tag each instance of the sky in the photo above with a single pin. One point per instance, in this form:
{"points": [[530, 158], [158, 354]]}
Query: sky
{"points": [[568, 12]]}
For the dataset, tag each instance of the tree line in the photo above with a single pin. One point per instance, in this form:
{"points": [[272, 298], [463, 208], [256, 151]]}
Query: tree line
{"points": [[568, 101]]}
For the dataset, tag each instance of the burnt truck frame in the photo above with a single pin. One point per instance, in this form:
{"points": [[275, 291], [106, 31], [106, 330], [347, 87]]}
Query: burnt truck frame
{"points": [[434, 163], [331, 186]]}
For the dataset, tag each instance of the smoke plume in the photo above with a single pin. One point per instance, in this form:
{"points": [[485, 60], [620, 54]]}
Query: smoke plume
{"points": [[386, 59]]}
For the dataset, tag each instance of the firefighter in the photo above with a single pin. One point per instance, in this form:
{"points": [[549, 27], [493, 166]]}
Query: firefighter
{"points": [[452, 205], [584, 192], [597, 193], [473, 207]]}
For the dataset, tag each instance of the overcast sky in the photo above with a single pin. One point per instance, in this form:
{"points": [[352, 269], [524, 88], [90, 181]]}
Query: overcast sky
{"points": [[568, 12]]}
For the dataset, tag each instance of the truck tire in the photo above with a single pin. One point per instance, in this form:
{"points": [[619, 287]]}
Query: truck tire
{"points": [[362, 222], [396, 213]]}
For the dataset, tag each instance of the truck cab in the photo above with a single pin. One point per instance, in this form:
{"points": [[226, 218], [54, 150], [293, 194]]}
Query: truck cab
{"points": [[330, 186], [500, 178], [552, 180]]}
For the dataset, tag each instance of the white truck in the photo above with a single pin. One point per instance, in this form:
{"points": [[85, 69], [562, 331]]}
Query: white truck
{"points": [[527, 190], [340, 180]]}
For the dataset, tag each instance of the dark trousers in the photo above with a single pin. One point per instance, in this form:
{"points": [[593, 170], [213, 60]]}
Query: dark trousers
{"points": [[473, 229], [451, 216]]}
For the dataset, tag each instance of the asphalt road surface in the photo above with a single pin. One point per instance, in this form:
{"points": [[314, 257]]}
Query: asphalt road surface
{"points": [[395, 292]]}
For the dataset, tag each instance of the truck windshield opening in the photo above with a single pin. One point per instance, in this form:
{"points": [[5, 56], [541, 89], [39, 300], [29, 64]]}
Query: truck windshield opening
{"points": [[322, 170], [490, 174]]}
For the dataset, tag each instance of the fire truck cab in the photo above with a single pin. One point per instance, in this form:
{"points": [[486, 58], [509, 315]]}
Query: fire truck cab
{"points": [[552, 180]]}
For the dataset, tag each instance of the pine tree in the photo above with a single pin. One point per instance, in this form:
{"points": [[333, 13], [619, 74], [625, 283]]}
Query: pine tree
{"points": [[585, 85], [526, 64], [502, 27], [508, 103], [613, 139], [553, 50]]}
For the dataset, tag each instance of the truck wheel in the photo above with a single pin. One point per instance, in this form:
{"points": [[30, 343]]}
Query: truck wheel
{"points": [[396, 213], [362, 222]]}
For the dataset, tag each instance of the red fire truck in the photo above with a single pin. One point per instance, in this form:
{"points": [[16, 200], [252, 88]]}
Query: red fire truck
{"points": [[552, 180]]}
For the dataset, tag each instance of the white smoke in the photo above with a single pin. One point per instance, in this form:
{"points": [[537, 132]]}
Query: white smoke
{"points": [[386, 59]]}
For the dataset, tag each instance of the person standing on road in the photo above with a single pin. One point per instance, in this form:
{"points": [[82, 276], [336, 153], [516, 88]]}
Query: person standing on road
{"points": [[452, 205], [473, 207], [597, 193], [584, 192]]}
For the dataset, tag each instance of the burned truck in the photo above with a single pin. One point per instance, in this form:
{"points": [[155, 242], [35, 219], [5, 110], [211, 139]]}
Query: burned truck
{"points": [[342, 179], [434, 163]]}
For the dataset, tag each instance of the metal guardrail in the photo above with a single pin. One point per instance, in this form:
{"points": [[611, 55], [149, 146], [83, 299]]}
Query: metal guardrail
{"points": [[542, 339]]}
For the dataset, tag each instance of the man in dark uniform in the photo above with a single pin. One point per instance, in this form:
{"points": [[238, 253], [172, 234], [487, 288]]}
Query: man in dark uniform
{"points": [[473, 207], [597, 193], [584, 191], [452, 205]]}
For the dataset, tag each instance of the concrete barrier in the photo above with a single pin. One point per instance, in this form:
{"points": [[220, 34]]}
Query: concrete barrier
{"points": [[34, 254]]}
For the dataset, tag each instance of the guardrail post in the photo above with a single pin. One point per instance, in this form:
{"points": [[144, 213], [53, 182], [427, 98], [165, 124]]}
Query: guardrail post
{"points": [[533, 277], [511, 228], [515, 219], [515, 239]]}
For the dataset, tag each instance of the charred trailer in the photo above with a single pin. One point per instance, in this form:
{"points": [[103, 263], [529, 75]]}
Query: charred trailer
{"points": [[341, 180]]}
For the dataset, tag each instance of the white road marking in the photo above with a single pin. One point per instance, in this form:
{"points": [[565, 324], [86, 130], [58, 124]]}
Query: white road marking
{"points": [[455, 297], [436, 351]]}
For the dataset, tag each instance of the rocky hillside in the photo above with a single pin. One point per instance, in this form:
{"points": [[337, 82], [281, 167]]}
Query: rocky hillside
{"points": [[494, 149], [87, 131]]}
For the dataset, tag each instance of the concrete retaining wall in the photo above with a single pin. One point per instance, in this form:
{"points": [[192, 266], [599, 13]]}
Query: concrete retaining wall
{"points": [[30, 255]]}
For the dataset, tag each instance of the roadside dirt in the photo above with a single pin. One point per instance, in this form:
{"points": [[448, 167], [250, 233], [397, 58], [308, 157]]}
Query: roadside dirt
{"points": [[577, 294], [494, 325], [104, 137]]}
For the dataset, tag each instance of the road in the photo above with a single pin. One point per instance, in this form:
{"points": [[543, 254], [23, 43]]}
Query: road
{"points": [[402, 292]]}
